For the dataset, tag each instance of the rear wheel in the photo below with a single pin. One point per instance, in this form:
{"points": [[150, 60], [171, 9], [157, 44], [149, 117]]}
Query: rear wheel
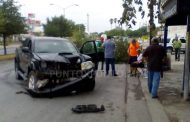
{"points": [[17, 68]]}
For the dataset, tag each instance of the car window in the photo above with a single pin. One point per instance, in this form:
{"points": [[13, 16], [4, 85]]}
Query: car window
{"points": [[168, 40], [89, 48], [26, 43], [162, 40], [183, 40], [54, 46]]}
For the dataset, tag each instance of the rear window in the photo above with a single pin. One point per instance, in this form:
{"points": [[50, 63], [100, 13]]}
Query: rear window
{"points": [[162, 40]]}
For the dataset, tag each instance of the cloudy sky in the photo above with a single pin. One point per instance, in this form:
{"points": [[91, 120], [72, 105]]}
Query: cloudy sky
{"points": [[100, 11]]}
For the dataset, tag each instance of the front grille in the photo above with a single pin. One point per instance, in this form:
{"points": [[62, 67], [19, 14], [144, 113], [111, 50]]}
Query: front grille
{"points": [[63, 70]]}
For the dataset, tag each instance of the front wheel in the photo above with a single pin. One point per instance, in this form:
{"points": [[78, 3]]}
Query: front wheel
{"points": [[32, 81], [89, 85]]}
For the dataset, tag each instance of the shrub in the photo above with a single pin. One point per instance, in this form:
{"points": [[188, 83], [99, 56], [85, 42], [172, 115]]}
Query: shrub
{"points": [[121, 51]]}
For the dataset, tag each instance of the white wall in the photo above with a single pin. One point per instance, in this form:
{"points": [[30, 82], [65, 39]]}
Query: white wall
{"points": [[180, 31]]}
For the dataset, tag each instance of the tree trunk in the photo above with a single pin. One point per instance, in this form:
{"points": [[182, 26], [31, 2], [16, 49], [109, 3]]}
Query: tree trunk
{"points": [[151, 21], [4, 44]]}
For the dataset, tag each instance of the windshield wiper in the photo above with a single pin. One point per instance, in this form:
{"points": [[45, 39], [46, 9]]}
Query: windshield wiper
{"points": [[43, 52], [65, 53]]}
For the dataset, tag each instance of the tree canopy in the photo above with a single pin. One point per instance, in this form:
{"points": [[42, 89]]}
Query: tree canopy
{"points": [[59, 27], [131, 7], [11, 21]]}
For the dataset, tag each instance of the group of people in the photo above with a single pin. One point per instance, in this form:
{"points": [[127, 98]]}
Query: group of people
{"points": [[153, 55], [106, 50]]}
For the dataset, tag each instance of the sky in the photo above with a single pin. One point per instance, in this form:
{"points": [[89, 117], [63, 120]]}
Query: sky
{"points": [[100, 11]]}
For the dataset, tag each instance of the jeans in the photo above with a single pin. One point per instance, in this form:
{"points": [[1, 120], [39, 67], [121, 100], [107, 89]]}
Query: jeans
{"points": [[108, 62], [153, 82], [177, 54]]}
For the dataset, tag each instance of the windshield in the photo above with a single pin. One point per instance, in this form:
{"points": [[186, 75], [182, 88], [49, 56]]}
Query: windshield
{"points": [[54, 46]]}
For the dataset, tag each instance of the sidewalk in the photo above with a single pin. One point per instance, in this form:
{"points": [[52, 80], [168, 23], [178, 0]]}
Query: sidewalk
{"points": [[170, 104]]}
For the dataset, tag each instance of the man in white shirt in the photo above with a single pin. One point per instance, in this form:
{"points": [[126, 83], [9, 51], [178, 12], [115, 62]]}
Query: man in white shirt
{"points": [[139, 63]]}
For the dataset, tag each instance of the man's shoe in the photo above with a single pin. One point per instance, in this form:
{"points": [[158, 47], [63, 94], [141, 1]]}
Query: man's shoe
{"points": [[115, 75], [154, 97]]}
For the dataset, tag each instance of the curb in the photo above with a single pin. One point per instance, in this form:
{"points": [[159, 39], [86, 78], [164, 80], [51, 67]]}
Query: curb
{"points": [[7, 57], [156, 110]]}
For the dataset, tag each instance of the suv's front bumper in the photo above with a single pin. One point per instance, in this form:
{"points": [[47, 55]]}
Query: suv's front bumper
{"points": [[71, 84]]}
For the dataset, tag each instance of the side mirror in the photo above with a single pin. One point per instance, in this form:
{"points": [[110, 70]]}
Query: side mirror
{"points": [[25, 49]]}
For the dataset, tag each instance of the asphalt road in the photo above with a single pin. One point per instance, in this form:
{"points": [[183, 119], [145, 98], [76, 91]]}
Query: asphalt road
{"points": [[109, 91]]}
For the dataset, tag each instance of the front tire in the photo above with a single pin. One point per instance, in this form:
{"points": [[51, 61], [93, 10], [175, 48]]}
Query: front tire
{"points": [[89, 85], [32, 81]]}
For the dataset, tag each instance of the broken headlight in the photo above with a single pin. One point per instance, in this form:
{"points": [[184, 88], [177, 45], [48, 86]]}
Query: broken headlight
{"points": [[87, 65]]}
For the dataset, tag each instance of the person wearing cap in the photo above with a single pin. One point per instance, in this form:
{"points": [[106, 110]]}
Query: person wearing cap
{"points": [[154, 54], [132, 52]]}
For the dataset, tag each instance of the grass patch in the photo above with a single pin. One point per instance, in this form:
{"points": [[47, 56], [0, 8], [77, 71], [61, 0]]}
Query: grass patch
{"points": [[7, 57]]}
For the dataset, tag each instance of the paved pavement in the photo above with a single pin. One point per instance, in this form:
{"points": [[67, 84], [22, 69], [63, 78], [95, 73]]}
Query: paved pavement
{"points": [[126, 99], [170, 106], [109, 91]]}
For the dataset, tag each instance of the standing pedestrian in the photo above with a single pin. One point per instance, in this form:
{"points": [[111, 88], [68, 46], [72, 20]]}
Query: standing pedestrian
{"points": [[109, 54], [177, 47], [154, 54], [100, 50], [132, 51]]}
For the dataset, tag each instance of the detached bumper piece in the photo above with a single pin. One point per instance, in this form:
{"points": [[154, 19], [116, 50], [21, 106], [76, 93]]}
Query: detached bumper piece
{"points": [[91, 108]]}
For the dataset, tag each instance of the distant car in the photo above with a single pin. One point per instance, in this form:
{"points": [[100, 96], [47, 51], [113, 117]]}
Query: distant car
{"points": [[169, 45], [50, 64]]}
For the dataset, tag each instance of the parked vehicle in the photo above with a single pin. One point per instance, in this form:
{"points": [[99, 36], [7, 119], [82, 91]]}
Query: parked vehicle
{"points": [[169, 45], [50, 64]]}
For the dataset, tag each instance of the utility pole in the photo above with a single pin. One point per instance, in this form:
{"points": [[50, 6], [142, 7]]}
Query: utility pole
{"points": [[186, 64], [88, 23]]}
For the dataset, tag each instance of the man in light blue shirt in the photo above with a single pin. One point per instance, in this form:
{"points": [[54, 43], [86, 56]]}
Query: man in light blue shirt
{"points": [[109, 54]]}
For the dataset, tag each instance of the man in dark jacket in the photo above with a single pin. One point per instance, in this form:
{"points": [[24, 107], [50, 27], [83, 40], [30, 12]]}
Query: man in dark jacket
{"points": [[154, 54]]}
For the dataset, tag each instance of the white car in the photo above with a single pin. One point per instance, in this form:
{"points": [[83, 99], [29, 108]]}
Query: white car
{"points": [[169, 45]]}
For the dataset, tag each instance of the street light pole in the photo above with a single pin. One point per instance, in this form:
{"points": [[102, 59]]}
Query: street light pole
{"points": [[64, 8]]}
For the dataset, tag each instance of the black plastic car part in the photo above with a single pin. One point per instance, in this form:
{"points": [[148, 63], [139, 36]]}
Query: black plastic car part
{"points": [[91, 108]]}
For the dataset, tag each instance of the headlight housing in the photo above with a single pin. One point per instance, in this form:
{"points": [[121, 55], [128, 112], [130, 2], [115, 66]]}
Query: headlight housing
{"points": [[87, 65], [43, 64]]}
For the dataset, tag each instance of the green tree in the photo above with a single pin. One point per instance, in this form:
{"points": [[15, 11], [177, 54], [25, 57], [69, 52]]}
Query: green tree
{"points": [[111, 22], [121, 51], [129, 13], [78, 35], [11, 21], [59, 27], [137, 33], [116, 32], [115, 21]]}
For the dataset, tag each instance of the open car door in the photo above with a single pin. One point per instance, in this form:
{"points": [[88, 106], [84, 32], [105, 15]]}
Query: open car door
{"points": [[89, 48]]}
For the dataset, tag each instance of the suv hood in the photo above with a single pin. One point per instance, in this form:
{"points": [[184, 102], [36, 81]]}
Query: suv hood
{"points": [[55, 57]]}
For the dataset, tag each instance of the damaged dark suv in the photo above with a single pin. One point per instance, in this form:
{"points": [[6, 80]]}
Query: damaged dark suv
{"points": [[50, 64]]}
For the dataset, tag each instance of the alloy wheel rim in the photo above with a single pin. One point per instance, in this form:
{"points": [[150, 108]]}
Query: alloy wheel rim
{"points": [[31, 84]]}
